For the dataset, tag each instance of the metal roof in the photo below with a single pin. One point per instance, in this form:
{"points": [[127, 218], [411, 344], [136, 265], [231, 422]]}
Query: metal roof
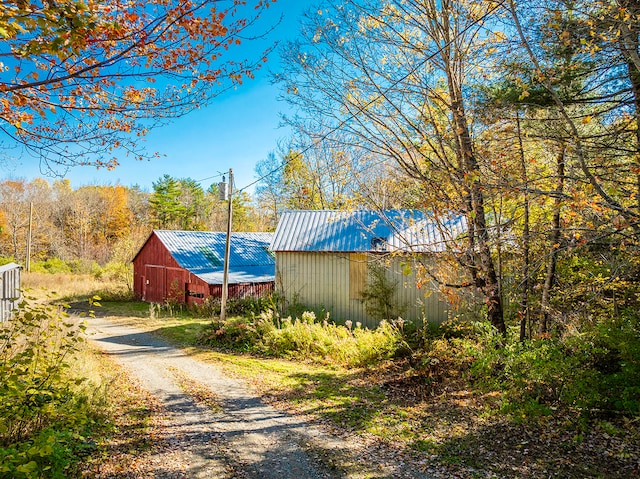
{"points": [[202, 253], [365, 231], [9, 266]]}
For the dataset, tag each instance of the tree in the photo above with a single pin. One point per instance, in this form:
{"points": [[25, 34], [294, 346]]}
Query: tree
{"points": [[321, 170], [269, 192], [568, 66], [393, 77], [195, 205], [138, 205], [115, 221], [82, 81], [600, 117], [15, 206], [165, 203]]}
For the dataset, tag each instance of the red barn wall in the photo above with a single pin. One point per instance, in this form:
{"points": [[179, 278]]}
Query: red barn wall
{"points": [[157, 278], [242, 290]]}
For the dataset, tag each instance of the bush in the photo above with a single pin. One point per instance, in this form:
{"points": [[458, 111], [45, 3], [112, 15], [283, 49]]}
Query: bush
{"points": [[379, 296], [43, 408], [594, 372], [57, 265], [6, 260], [116, 272], [307, 338], [236, 333], [249, 307], [51, 265]]}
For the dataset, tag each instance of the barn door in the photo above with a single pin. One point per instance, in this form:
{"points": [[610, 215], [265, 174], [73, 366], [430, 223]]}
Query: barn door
{"points": [[155, 284]]}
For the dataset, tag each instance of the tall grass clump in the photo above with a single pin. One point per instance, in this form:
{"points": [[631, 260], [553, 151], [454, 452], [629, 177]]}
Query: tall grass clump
{"points": [[308, 338], [46, 409]]}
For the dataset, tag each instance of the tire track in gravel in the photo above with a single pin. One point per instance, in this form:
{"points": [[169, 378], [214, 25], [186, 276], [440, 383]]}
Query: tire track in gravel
{"points": [[247, 438]]}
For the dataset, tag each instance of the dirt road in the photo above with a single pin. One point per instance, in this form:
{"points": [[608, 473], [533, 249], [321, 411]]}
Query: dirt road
{"points": [[243, 438]]}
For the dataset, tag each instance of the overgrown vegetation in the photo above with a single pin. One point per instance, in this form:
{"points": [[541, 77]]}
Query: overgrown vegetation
{"points": [[459, 396], [46, 406], [456, 394], [307, 338], [595, 373], [379, 295]]}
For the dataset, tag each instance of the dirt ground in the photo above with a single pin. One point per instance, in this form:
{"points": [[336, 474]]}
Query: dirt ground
{"points": [[213, 426]]}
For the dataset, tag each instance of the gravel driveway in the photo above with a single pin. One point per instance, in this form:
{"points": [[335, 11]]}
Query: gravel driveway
{"points": [[244, 438]]}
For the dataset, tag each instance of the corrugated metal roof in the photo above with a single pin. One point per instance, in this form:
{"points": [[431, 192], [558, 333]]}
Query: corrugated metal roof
{"points": [[202, 253], [364, 231], [9, 266]]}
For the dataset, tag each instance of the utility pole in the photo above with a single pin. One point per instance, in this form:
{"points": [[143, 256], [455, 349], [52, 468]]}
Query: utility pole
{"points": [[28, 259], [227, 251]]}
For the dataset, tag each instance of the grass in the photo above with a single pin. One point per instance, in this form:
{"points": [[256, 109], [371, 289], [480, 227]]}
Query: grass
{"points": [[198, 391], [440, 419], [67, 286], [130, 431], [444, 422]]}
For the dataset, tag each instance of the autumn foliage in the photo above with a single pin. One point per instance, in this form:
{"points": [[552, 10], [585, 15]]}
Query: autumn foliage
{"points": [[81, 81]]}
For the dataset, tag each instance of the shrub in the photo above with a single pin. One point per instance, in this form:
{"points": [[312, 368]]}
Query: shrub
{"points": [[43, 408], [235, 333], [596, 371], [6, 260], [116, 272], [379, 296], [51, 265], [249, 307]]}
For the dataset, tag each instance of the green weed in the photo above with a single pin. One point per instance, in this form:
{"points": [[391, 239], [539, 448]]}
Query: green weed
{"points": [[307, 338]]}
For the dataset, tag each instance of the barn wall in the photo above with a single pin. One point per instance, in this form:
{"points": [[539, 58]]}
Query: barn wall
{"points": [[333, 281], [242, 290], [421, 299], [149, 275]]}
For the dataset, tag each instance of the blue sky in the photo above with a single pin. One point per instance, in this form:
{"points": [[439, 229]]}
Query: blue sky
{"points": [[236, 131]]}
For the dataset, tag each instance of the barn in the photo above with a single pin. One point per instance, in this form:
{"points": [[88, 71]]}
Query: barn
{"points": [[324, 260], [187, 266]]}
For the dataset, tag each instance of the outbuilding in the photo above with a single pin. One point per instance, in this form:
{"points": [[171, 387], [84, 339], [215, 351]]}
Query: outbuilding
{"points": [[187, 266], [324, 260], [10, 276]]}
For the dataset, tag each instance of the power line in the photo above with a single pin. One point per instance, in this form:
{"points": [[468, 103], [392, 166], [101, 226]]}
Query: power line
{"points": [[375, 99], [219, 175]]}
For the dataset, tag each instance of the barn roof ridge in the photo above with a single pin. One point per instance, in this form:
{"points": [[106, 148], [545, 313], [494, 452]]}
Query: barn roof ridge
{"points": [[405, 230]]}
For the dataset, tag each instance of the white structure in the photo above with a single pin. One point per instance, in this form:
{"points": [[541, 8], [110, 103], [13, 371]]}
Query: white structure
{"points": [[10, 287]]}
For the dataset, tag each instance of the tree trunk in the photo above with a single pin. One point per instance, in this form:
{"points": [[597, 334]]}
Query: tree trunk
{"points": [[554, 240], [523, 312], [487, 282], [629, 43]]}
